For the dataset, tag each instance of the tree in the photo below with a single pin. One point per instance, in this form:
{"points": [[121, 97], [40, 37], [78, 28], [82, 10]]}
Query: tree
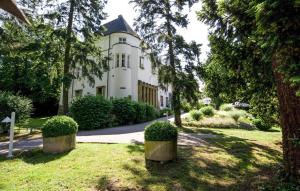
{"points": [[157, 22], [79, 22], [30, 63], [258, 41]]}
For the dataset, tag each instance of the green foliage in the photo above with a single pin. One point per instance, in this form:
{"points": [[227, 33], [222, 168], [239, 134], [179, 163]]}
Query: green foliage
{"points": [[124, 111], [161, 131], [92, 112], [196, 114], [151, 112], [236, 114], [59, 126], [140, 112], [165, 111], [22, 106], [155, 23], [226, 107], [186, 106], [264, 105], [261, 124], [208, 111], [31, 62]]}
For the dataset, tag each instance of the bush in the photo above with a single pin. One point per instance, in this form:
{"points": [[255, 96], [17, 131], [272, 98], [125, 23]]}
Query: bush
{"points": [[151, 113], [196, 115], [13, 103], [261, 124], [236, 114], [124, 111], [161, 131], [186, 106], [92, 112], [208, 111], [59, 126], [226, 107], [165, 111], [140, 112]]}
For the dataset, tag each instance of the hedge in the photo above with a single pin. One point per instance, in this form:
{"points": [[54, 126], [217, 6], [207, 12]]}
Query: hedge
{"points": [[161, 131], [92, 112], [124, 111], [59, 126]]}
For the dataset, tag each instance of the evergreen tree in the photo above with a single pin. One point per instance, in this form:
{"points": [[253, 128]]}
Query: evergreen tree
{"points": [[258, 41], [79, 23], [157, 22]]}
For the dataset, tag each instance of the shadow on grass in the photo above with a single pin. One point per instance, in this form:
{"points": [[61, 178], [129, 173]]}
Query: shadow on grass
{"points": [[36, 156], [226, 163]]}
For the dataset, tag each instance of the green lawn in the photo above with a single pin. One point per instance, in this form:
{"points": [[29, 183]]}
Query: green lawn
{"points": [[236, 160]]}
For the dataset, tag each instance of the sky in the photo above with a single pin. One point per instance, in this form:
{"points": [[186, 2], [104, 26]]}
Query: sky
{"points": [[195, 31]]}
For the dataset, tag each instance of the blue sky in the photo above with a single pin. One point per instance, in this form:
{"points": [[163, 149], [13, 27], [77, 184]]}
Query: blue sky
{"points": [[195, 31]]}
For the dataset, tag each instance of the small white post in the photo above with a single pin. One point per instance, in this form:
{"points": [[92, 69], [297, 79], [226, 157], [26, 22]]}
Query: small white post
{"points": [[11, 135]]}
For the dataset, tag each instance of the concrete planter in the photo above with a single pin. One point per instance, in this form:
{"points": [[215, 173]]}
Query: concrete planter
{"points": [[160, 150], [59, 144]]}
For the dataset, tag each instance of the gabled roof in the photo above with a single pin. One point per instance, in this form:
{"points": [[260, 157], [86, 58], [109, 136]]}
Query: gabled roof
{"points": [[118, 25]]}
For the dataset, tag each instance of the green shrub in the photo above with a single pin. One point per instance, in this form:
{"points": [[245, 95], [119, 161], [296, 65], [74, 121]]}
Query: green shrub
{"points": [[22, 106], [151, 112], [199, 105], [59, 126], [186, 106], [124, 111], [161, 131], [261, 124], [92, 112], [208, 111], [165, 111], [196, 115], [236, 114], [226, 107], [140, 112]]}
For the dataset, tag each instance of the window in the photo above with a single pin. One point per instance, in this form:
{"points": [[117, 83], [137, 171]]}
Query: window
{"points": [[122, 40], [78, 93], [167, 102], [128, 61], [117, 60], [142, 62], [161, 101], [100, 91], [123, 60]]}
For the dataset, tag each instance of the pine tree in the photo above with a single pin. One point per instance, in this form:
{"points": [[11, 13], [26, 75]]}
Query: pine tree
{"points": [[157, 22]]}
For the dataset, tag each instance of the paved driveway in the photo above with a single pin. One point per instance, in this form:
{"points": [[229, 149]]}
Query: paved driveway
{"points": [[121, 134]]}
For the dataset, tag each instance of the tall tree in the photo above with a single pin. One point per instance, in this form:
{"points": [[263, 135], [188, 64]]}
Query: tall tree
{"points": [[80, 21], [258, 41], [157, 22]]}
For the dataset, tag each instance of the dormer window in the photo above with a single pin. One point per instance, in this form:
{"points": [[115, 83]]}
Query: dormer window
{"points": [[122, 40]]}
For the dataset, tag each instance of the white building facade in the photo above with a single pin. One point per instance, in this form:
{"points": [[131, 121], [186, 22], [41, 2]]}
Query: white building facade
{"points": [[130, 71]]}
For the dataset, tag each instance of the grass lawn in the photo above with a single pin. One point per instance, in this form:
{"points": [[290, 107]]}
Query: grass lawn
{"points": [[235, 160], [23, 130]]}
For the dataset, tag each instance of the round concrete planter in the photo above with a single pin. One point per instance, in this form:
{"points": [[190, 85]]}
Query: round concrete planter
{"points": [[160, 150], [59, 144]]}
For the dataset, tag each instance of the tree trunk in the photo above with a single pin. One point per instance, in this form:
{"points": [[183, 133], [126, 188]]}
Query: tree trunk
{"points": [[175, 90], [289, 110], [67, 60]]}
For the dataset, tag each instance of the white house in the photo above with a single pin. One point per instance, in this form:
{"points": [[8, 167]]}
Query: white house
{"points": [[130, 72]]}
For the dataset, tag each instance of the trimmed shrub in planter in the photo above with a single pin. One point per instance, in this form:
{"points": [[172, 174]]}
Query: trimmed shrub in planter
{"points": [[196, 115], [208, 111], [261, 124], [161, 141], [92, 112], [124, 111], [59, 134]]}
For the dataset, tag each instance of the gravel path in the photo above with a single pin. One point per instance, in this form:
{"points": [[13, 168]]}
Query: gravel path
{"points": [[121, 134]]}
